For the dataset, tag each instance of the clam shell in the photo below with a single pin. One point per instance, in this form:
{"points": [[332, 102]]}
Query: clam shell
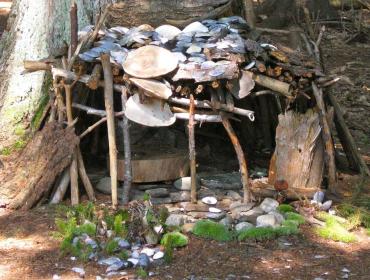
{"points": [[153, 88]]}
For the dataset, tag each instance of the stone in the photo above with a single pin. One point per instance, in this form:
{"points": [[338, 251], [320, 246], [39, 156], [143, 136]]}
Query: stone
{"points": [[184, 184], [80, 271], [198, 215], [180, 196], [143, 261], [158, 255], [148, 251], [227, 221], [151, 237], [175, 220], [104, 185], [226, 181], [133, 261], [188, 207], [214, 210], [237, 208], [209, 200], [318, 197], [145, 187], [233, 195], [160, 192], [326, 205], [122, 243], [243, 225], [216, 216], [251, 215], [186, 228], [267, 220], [269, 204], [109, 261], [279, 217], [160, 200]]}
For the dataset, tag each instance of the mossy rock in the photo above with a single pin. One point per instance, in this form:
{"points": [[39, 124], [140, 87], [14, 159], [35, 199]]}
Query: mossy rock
{"points": [[284, 208], [174, 240], [212, 230]]}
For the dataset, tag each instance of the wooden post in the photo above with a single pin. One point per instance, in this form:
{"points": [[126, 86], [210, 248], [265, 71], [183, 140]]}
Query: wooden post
{"points": [[83, 175], [127, 147], [73, 168], [241, 158], [249, 13], [327, 138], [108, 98], [192, 155], [74, 27], [61, 188]]}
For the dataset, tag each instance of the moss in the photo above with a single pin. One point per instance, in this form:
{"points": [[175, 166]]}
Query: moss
{"points": [[212, 230], [295, 217], [258, 233], [174, 240], [140, 272], [335, 231], [44, 100], [284, 208]]}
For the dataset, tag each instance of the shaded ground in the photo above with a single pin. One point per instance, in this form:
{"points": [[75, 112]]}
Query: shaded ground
{"points": [[28, 251]]}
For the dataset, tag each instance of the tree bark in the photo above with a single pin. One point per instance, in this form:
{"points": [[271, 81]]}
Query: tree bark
{"points": [[36, 32]]}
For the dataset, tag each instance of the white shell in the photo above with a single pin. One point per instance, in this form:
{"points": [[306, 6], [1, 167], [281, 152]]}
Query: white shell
{"points": [[167, 31], [152, 113], [153, 88], [210, 200], [158, 255], [214, 210], [195, 27]]}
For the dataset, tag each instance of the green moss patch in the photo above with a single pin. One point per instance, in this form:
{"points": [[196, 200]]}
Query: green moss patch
{"points": [[291, 216], [284, 208], [212, 230], [174, 240], [335, 231]]}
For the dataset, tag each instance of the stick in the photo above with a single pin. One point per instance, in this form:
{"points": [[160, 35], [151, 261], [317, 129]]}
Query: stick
{"points": [[127, 147], [241, 158], [83, 175], [73, 167], [31, 66], [353, 156], [108, 98], [93, 82], [62, 188], [203, 104], [192, 155], [327, 138], [74, 27], [199, 118]]}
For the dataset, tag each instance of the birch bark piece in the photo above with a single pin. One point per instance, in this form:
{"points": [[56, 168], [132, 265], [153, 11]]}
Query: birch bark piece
{"points": [[150, 113], [153, 88], [150, 62], [242, 87]]}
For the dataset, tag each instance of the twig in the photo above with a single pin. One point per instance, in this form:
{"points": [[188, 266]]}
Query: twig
{"points": [[83, 175], [108, 98], [127, 147], [74, 27]]}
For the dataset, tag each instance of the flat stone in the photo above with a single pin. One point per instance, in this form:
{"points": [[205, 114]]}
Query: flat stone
{"points": [[184, 184], [175, 220], [188, 207], [160, 200], [269, 204], [243, 226], [237, 208], [104, 185], [279, 217], [216, 216], [226, 181], [180, 196], [268, 220], [198, 215], [144, 260], [145, 187], [214, 210], [158, 255], [160, 192], [148, 251], [250, 215], [233, 195]]}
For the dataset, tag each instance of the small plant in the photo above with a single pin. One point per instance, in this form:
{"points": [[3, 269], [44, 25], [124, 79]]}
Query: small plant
{"points": [[173, 240], [284, 208], [111, 247], [295, 217], [212, 230], [140, 272], [335, 231]]}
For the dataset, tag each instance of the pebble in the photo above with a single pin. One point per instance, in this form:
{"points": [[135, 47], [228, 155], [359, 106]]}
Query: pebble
{"points": [[318, 196], [148, 251], [243, 225], [81, 272], [143, 260], [117, 266], [109, 261], [160, 192], [175, 220], [326, 205], [158, 255], [279, 217], [216, 216], [210, 200], [133, 261], [214, 210], [269, 204], [122, 243]]}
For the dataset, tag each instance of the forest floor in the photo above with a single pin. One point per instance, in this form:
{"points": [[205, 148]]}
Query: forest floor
{"points": [[28, 250]]}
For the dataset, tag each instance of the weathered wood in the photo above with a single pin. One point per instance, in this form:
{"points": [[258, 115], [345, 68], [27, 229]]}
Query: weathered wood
{"points": [[247, 197], [61, 189], [73, 168], [249, 13], [199, 118], [273, 84], [94, 79], [83, 175], [299, 153], [127, 147], [108, 100], [350, 148], [35, 170], [74, 27], [192, 155], [327, 138]]}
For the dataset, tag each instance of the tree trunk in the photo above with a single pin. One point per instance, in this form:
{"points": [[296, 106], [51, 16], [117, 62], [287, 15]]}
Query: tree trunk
{"points": [[35, 32]]}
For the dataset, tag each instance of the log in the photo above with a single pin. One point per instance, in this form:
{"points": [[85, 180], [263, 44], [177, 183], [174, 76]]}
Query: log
{"points": [[247, 197], [192, 155], [299, 152], [35, 170], [350, 148], [327, 138], [93, 82], [73, 169], [108, 100], [127, 147], [249, 13], [83, 175], [274, 85]]}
